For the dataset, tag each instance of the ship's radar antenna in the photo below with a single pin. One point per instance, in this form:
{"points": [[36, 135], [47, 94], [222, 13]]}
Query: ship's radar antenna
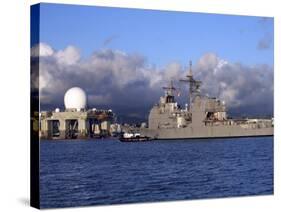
{"points": [[190, 69], [169, 93], [170, 88], [194, 85]]}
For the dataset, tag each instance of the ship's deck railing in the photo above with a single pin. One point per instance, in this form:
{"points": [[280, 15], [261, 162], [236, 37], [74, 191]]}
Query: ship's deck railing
{"points": [[244, 123]]}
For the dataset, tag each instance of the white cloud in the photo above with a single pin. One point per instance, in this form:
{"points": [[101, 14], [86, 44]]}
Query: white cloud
{"points": [[208, 61], [113, 77], [69, 56], [236, 84], [41, 50]]}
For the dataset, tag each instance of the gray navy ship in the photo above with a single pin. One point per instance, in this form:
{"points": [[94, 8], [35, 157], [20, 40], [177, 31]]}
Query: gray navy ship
{"points": [[203, 117]]}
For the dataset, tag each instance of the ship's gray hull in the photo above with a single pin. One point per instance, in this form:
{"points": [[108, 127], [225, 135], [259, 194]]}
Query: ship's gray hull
{"points": [[206, 132], [203, 117]]}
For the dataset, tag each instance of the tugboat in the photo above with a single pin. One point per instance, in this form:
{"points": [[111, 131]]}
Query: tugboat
{"points": [[134, 137]]}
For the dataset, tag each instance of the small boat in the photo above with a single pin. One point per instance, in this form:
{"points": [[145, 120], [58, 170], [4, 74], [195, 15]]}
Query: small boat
{"points": [[134, 137]]}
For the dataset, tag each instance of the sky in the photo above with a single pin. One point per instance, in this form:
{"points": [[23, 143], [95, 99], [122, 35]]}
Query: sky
{"points": [[162, 36], [117, 54]]}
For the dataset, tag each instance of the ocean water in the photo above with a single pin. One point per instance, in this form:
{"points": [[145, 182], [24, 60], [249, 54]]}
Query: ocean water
{"points": [[98, 172]]}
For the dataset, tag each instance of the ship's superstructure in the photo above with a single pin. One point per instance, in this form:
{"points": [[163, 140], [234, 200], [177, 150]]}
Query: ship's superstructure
{"points": [[203, 117]]}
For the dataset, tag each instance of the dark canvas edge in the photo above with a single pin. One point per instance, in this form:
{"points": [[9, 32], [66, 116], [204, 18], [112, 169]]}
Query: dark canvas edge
{"points": [[34, 109]]}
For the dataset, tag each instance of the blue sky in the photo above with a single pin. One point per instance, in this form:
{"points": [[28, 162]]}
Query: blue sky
{"points": [[160, 36], [117, 55]]}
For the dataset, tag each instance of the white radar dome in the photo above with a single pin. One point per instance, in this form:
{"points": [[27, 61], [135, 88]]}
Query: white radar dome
{"points": [[75, 98]]}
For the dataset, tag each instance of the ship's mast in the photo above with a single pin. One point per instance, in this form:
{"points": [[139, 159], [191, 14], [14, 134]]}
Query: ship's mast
{"points": [[194, 85], [170, 89], [169, 94]]}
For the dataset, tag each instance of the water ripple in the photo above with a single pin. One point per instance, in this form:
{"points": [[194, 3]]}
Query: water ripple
{"points": [[79, 173]]}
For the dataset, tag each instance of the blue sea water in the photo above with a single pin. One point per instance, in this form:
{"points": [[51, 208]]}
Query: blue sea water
{"points": [[81, 173]]}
